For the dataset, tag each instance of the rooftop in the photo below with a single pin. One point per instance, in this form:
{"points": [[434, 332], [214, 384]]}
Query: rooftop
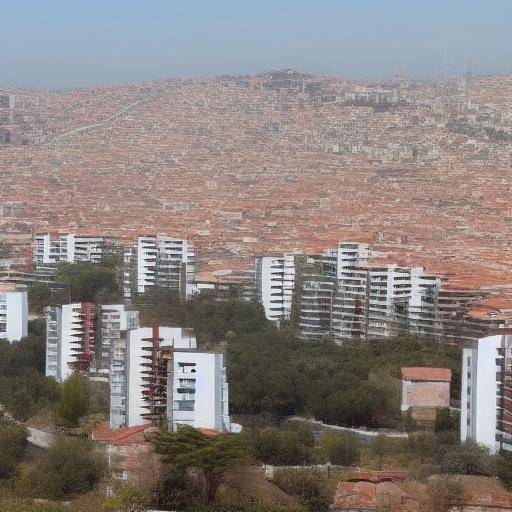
{"points": [[427, 374]]}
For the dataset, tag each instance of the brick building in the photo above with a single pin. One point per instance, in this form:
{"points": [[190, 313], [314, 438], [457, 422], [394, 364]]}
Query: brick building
{"points": [[424, 390]]}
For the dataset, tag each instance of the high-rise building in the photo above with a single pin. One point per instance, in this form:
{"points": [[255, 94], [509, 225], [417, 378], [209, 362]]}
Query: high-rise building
{"points": [[315, 280], [275, 283], [486, 392], [161, 261], [199, 391], [169, 381], [81, 336], [346, 296], [50, 250], [13, 312], [146, 371]]}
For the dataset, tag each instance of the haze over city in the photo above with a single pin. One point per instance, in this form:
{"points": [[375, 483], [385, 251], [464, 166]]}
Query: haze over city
{"points": [[62, 44]]}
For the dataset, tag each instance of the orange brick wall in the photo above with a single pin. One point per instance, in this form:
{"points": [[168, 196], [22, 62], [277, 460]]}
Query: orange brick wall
{"points": [[426, 394]]}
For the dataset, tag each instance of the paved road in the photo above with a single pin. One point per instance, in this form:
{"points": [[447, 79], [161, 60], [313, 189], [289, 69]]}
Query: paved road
{"points": [[40, 438], [366, 435], [35, 436]]}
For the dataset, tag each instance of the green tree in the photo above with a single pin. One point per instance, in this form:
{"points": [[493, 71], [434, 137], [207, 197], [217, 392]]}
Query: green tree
{"points": [[469, 458], [309, 485], [74, 400], [130, 498], [13, 442], [446, 421], [280, 447], [341, 449], [174, 490], [89, 282], [71, 466], [40, 296], [211, 455]]}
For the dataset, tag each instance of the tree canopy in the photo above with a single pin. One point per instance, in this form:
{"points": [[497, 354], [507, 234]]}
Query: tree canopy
{"points": [[90, 282], [189, 448], [24, 389], [74, 400], [69, 467], [273, 373]]}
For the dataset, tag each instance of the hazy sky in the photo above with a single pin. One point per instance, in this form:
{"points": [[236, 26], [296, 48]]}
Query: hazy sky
{"points": [[66, 43]]}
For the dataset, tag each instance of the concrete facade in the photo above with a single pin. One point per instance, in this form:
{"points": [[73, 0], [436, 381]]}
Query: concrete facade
{"points": [[480, 388], [13, 312]]}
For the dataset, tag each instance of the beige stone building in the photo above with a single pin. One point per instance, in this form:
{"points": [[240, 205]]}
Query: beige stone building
{"points": [[424, 390]]}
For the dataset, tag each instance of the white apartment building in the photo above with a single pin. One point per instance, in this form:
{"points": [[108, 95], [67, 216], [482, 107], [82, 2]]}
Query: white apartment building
{"points": [[69, 248], [351, 254], [486, 392], [388, 294], [315, 280], [161, 261], [275, 283], [342, 295], [146, 370], [70, 339], [13, 312], [168, 380], [83, 337], [423, 303], [199, 391], [348, 314]]}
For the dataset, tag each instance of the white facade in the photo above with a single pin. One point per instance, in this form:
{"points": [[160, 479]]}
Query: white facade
{"points": [[168, 379], [160, 260], [116, 321], [349, 298], [13, 313], [64, 330], [138, 362], [481, 370], [275, 282], [75, 329], [199, 391], [351, 254], [68, 248]]}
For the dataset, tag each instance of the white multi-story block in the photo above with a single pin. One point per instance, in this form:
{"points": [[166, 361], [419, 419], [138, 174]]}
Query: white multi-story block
{"points": [[169, 381], [275, 284], [486, 393], [50, 250], [344, 295], [70, 339], [85, 337], [13, 312], [146, 370], [351, 254], [199, 391], [161, 261]]}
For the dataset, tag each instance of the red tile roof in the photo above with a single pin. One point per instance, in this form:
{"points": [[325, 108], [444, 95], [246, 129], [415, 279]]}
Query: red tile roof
{"points": [[428, 374], [119, 436]]}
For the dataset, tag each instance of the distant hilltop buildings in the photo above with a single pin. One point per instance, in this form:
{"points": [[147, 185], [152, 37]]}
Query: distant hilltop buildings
{"points": [[155, 260], [346, 295], [272, 157]]}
